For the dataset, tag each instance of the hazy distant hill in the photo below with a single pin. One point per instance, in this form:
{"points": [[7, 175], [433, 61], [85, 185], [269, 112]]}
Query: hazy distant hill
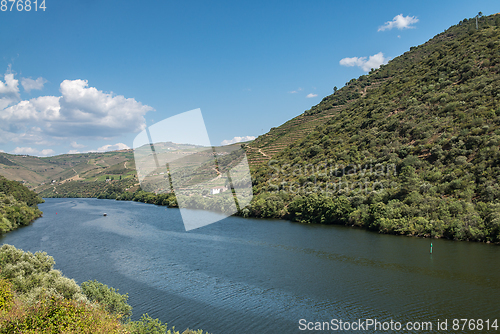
{"points": [[39, 173], [100, 175], [35, 170]]}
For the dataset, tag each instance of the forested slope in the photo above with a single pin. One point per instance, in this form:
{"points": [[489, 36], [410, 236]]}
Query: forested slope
{"points": [[411, 148], [18, 205]]}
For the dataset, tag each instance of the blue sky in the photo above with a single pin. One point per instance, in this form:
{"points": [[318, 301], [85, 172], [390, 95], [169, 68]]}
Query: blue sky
{"points": [[89, 75]]}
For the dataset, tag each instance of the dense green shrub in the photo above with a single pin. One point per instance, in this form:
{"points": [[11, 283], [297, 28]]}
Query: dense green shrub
{"points": [[148, 325], [6, 295], [18, 205], [19, 192], [51, 314], [108, 297], [34, 298], [32, 275]]}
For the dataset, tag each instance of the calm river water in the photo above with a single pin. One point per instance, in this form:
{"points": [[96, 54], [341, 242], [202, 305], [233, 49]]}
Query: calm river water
{"points": [[263, 276]]}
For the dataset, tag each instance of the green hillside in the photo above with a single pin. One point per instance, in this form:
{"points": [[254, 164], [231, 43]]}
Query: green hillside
{"points": [[107, 188], [411, 148], [18, 205]]}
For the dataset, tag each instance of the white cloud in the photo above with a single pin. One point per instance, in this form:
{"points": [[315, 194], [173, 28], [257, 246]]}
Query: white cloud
{"points": [[73, 152], [373, 61], [354, 61], [296, 91], [310, 95], [24, 150], [33, 151], [30, 84], [399, 21], [47, 152], [10, 85], [9, 90], [75, 145], [80, 111], [236, 140], [115, 147], [31, 136], [2, 151], [6, 136]]}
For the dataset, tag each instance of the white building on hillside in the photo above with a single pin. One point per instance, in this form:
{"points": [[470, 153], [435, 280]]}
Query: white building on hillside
{"points": [[217, 190]]}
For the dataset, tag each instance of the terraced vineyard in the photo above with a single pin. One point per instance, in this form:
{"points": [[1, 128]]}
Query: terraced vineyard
{"points": [[262, 149]]}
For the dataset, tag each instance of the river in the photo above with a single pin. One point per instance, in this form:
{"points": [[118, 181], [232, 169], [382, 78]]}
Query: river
{"points": [[263, 276]]}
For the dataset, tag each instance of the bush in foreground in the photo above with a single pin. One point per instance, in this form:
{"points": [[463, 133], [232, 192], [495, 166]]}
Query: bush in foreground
{"points": [[52, 314], [35, 298]]}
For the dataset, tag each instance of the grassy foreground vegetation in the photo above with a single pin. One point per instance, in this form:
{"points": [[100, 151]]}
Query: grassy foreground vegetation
{"points": [[35, 298]]}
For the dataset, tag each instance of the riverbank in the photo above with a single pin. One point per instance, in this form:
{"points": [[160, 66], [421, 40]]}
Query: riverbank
{"points": [[327, 210]]}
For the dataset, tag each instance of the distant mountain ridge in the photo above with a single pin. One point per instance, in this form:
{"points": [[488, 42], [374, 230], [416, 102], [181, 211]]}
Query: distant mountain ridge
{"points": [[38, 173]]}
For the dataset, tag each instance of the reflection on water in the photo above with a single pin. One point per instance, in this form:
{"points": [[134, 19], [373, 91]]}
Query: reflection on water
{"points": [[247, 275]]}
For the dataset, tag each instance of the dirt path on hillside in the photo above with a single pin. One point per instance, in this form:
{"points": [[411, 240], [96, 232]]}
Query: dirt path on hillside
{"points": [[73, 178], [260, 151]]}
